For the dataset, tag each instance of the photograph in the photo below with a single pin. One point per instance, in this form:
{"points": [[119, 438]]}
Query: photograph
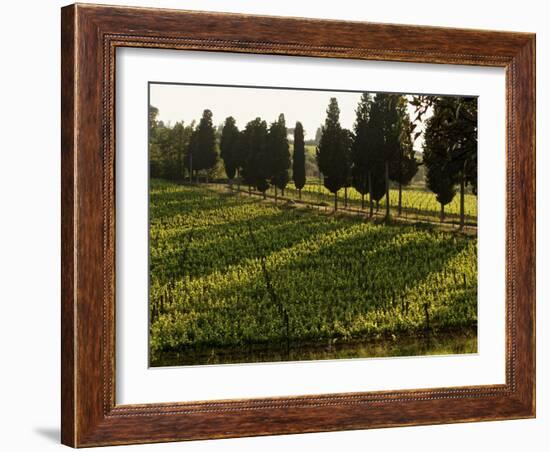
{"points": [[273, 220], [292, 224]]}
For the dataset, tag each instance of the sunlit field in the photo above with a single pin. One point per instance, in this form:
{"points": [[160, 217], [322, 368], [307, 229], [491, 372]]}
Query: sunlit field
{"points": [[416, 202], [234, 278]]}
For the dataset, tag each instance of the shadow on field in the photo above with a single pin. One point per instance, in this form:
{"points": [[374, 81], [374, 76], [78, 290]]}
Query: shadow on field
{"points": [[323, 288], [215, 247], [162, 199]]}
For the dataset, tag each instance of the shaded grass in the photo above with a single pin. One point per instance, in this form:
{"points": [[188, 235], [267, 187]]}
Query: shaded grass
{"points": [[337, 278], [446, 343]]}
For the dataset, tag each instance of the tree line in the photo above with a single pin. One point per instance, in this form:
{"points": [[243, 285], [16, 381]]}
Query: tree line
{"points": [[376, 153]]}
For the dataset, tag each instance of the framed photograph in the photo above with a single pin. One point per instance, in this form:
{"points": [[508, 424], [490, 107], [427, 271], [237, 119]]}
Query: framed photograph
{"points": [[282, 225]]}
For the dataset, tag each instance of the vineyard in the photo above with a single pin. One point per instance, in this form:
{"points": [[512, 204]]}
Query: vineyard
{"points": [[234, 278], [417, 203]]}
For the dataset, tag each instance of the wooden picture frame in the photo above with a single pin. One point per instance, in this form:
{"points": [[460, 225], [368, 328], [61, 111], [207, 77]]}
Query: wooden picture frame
{"points": [[90, 35]]}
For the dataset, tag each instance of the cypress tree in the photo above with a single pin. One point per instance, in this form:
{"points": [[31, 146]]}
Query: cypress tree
{"points": [[439, 177], [346, 143], [192, 151], [278, 154], [387, 132], [333, 152], [240, 155], [467, 126], [180, 137], [256, 169], [299, 159], [470, 161], [450, 148], [204, 144], [155, 152], [390, 132], [229, 147], [375, 153], [359, 148], [463, 133], [402, 163]]}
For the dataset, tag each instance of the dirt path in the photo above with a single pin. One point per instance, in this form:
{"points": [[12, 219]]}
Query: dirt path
{"points": [[326, 209]]}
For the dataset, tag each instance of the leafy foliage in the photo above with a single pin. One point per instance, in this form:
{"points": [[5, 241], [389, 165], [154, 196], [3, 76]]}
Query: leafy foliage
{"points": [[167, 147], [450, 146]]}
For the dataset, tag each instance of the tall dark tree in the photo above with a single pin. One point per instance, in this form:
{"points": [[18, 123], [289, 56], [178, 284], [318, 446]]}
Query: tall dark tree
{"points": [[466, 127], [376, 152], [359, 148], [437, 159], [462, 122], [346, 143], [154, 150], [390, 118], [299, 159], [161, 161], [240, 154], [438, 177], [278, 154], [256, 169], [203, 154], [402, 163], [450, 146], [180, 136], [333, 152], [157, 144], [229, 147], [382, 150]]}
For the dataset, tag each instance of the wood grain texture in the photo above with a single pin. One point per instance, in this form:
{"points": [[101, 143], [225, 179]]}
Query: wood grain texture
{"points": [[68, 243], [90, 36]]}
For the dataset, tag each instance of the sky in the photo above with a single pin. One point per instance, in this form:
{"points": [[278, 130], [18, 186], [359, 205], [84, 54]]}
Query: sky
{"points": [[187, 102]]}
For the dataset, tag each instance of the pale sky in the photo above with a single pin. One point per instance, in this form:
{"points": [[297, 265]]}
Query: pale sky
{"points": [[187, 102]]}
